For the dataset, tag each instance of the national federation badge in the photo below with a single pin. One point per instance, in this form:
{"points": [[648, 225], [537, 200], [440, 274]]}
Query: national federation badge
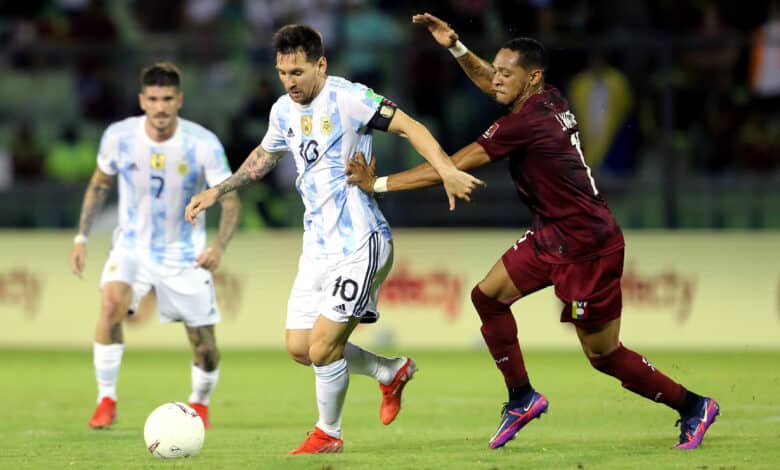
{"points": [[326, 127], [579, 309]]}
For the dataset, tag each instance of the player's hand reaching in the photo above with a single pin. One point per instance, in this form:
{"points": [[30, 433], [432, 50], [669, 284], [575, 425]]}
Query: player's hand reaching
{"points": [[210, 258], [360, 173], [78, 258], [459, 184], [199, 203], [441, 31]]}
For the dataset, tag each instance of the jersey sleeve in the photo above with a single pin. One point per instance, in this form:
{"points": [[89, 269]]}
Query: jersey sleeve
{"points": [[108, 153], [215, 163], [505, 135], [367, 109], [274, 140]]}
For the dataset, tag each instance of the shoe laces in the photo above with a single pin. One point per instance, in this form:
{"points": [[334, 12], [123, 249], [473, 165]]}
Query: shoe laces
{"points": [[687, 426]]}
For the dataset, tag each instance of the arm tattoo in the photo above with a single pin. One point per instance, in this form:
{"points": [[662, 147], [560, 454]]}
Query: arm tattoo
{"points": [[258, 164], [228, 219], [94, 198], [479, 71]]}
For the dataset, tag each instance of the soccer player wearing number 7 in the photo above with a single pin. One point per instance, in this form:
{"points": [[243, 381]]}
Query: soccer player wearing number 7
{"points": [[574, 243], [160, 160], [347, 250]]}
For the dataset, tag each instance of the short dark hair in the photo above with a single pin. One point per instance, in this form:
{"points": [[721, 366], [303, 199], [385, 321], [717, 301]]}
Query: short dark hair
{"points": [[161, 74], [294, 37], [532, 52]]}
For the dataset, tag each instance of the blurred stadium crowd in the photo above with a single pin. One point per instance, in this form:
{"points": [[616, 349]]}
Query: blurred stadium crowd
{"points": [[677, 99]]}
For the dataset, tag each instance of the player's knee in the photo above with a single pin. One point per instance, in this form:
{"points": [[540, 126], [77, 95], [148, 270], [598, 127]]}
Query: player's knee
{"points": [[113, 308], [324, 352], [486, 306]]}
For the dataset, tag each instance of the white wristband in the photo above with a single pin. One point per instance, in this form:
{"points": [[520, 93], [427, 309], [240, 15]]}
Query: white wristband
{"points": [[458, 49], [380, 185], [80, 239]]}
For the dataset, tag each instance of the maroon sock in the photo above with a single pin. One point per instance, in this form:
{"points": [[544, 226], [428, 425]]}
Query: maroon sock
{"points": [[638, 375], [500, 332]]}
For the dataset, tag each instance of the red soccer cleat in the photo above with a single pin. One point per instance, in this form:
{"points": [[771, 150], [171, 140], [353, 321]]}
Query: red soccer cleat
{"points": [[105, 414], [203, 411], [391, 393], [319, 442]]}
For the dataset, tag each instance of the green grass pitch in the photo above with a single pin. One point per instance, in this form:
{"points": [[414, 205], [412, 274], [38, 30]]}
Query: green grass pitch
{"points": [[264, 405]]}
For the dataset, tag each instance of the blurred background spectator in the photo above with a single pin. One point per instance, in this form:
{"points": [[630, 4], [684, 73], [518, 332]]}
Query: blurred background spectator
{"points": [[677, 100]]}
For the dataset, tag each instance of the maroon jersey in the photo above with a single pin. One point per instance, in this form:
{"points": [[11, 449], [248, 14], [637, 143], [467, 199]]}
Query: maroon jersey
{"points": [[570, 220]]}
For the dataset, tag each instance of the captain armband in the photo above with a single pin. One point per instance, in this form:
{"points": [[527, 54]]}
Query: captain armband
{"points": [[384, 114]]}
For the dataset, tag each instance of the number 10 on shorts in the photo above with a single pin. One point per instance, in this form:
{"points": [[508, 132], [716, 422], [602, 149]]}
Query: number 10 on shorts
{"points": [[346, 288]]}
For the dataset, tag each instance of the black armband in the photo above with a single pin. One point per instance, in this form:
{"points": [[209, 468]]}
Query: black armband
{"points": [[384, 114]]}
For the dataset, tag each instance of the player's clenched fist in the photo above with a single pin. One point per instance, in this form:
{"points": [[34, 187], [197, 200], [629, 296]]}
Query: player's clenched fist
{"points": [[199, 203]]}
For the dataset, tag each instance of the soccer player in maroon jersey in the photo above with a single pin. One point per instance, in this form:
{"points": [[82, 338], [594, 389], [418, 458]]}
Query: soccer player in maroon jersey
{"points": [[574, 243]]}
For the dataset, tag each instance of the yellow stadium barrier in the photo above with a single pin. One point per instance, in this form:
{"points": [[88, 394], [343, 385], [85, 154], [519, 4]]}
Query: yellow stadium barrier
{"points": [[681, 290]]}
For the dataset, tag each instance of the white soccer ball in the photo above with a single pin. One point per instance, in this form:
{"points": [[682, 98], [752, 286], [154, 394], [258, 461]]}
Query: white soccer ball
{"points": [[174, 430]]}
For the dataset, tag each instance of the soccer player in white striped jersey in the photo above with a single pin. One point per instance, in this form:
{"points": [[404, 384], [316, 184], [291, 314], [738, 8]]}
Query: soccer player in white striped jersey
{"points": [[347, 249], [161, 160]]}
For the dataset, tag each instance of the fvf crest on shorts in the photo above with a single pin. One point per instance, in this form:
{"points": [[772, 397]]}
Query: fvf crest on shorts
{"points": [[339, 288], [183, 294]]}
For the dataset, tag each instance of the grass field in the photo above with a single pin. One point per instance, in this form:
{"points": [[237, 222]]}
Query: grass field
{"points": [[264, 405]]}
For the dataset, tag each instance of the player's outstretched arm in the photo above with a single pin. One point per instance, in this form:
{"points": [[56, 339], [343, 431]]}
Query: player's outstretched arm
{"points": [[478, 70], [259, 163], [422, 176], [457, 183], [95, 196]]}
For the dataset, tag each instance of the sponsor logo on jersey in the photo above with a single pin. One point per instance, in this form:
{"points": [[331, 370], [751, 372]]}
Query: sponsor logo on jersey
{"points": [[158, 161], [490, 131], [306, 124], [290, 132], [182, 168], [326, 127]]}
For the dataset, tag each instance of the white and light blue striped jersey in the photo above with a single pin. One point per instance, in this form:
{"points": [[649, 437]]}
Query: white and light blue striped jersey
{"points": [[156, 181], [322, 137]]}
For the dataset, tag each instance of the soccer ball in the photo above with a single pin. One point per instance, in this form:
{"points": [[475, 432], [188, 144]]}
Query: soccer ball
{"points": [[174, 430]]}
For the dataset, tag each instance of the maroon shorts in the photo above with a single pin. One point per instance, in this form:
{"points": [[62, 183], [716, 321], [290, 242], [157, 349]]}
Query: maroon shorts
{"points": [[590, 290]]}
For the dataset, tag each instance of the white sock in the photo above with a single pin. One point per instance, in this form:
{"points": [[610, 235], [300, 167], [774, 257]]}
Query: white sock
{"points": [[107, 359], [203, 383], [362, 362], [332, 383]]}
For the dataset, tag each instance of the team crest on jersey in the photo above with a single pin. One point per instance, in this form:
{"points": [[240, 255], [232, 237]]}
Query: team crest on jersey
{"points": [[326, 127], [579, 309], [490, 131], [182, 168], [306, 124], [158, 161]]}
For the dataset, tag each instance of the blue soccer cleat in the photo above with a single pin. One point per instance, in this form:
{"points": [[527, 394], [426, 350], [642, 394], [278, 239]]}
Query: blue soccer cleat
{"points": [[514, 418], [693, 427]]}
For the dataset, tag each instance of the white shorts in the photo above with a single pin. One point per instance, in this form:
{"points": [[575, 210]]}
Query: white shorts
{"points": [[185, 295], [339, 289]]}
